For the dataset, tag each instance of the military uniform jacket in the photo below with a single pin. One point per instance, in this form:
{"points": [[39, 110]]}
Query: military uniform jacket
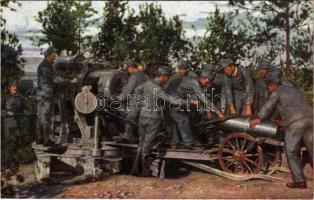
{"points": [[176, 80], [151, 95], [135, 80], [12, 103], [190, 86], [241, 84], [47, 80], [289, 103], [261, 94]]}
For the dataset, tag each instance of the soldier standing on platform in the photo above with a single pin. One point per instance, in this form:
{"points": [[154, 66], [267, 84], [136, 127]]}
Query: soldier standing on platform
{"points": [[47, 82], [136, 78]]}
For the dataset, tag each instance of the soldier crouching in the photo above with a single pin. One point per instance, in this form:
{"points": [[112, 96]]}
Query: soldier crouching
{"points": [[297, 118]]}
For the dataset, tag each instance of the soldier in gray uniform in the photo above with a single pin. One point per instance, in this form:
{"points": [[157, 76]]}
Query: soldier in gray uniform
{"points": [[216, 86], [175, 80], [171, 87], [47, 82], [151, 111], [261, 92], [136, 78], [11, 111], [191, 87], [239, 88], [297, 118]]}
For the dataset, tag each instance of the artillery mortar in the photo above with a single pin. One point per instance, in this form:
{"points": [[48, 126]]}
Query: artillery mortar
{"points": [[85, 133]]}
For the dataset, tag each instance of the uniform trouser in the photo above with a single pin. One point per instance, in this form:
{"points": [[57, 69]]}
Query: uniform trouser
{"points": [[148, 130], [45, 110], [239, 101], [298, 133], [8, 141], [182, 122], [132, 115]]}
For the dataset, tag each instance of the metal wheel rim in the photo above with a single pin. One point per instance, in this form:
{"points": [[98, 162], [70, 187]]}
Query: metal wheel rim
{"points": [[239, 156]]}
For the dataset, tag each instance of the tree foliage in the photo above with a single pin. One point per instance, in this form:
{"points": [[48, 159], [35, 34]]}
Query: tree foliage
{"points": [[148, 37], [110, 42], [160, 40], [283, 26], [63, 25], [225, 36], [12, 65]]}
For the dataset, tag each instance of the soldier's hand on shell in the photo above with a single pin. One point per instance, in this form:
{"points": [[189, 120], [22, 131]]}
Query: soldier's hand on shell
{"points": [[248, 110], [9, 113], [209, 115], [221, 116], [74, 80], [279, 122], [194, 102], [254, 122], [232, 110]]}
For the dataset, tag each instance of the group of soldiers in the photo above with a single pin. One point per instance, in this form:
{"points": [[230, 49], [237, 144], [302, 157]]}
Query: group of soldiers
{"points": [[268, 98]]}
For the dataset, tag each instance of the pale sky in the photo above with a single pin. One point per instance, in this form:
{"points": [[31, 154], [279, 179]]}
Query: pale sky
{"points": [[23, 21]]}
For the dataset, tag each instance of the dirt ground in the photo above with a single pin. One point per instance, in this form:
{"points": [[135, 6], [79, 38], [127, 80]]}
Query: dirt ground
{"points": [[182, 182]]}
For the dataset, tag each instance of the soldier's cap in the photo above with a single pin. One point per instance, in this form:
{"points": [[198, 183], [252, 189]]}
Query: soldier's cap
{"points": [[275, 72], [208, 67], [131, 63], [205, 74], [164, 70], [183, 65], [225, 62], [12, 83], [49, 50], [273, 79], [274, 76], [263, 64]]}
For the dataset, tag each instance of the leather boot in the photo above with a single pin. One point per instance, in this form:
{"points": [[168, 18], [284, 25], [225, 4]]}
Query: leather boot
{"points": [[300, 185], [46, 134], [39, 135], [146, 167]]}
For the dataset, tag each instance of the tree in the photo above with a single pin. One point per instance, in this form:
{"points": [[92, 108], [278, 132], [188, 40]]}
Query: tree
{"points": [[225, 36], [110, 43], [64, 24], [11, 49], [285, 27], [147, 37], [160, 40]]}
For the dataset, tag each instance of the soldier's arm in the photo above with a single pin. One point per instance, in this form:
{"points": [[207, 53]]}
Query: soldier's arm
{"points": [[171, 99], [57, 79], [139, 90], [228, 90], [249, 86], [269, 106], [208, 105], [3, 105], [256, 95], [128, 88]]}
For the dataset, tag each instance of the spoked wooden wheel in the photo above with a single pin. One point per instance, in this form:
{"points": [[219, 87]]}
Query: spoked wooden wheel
{"points": [[239, 154]]}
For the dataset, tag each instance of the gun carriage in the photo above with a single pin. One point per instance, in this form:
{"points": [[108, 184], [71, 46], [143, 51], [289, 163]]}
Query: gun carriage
{"points": [[84, 128]]}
